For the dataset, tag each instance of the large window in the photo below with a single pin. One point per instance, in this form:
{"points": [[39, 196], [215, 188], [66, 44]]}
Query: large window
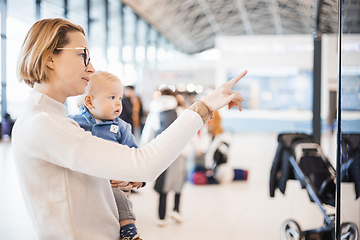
{"points": [[115, 43], [120, 42], [21, 15], [276, 89]]}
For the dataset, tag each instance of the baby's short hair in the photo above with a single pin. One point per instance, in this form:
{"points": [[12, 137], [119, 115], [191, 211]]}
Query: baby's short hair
{"points": [[96, 79]]}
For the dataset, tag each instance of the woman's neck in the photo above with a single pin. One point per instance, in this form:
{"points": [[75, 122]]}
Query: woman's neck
{"points": [[50, 91]]}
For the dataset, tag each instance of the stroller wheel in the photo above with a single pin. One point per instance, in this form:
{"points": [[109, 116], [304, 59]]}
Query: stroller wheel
{"points": [[349, 231], [290, 230]]}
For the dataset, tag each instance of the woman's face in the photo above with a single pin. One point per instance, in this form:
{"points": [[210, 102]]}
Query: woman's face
{"points": [[69, 76]]}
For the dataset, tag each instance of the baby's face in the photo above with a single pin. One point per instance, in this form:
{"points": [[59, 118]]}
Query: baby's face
{"points": [[107, 101]]}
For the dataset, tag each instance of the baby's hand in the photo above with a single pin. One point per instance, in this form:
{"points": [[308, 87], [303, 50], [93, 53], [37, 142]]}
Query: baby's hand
{"points": [[118, 184], [122, 185], [136, 185], [126, 189]]}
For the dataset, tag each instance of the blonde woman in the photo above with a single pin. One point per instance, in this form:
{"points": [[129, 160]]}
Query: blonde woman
{"points": [[63, 170]]}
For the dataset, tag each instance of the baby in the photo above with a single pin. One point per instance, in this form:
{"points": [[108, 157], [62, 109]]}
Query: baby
{"points": [[100, 107]]}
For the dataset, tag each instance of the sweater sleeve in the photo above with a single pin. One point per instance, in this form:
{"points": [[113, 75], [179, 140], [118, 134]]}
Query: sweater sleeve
{"points": [[80, 151]]}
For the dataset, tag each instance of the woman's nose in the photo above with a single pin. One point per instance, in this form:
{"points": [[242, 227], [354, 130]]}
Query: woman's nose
{"points": [[90, 68]]}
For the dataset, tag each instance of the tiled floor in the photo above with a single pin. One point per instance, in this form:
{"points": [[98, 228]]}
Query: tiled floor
{"points": [[239, 210]]}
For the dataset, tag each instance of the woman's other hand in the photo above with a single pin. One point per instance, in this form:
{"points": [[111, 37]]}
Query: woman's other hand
{"points": [[223, 95]]}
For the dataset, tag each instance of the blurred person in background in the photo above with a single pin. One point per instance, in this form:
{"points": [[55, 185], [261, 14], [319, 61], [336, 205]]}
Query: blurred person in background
{"points": [[7, 125], [214, 125], [137, 113], [162, 112], [127, 113]]}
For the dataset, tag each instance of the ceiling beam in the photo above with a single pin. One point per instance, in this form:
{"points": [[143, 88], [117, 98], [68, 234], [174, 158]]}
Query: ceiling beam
{"points": [[210, 17], [140, 7], [244, 17], [159, 20], [306, 14], [317, 13], [190, 24], [276, 14], [330, 11]]}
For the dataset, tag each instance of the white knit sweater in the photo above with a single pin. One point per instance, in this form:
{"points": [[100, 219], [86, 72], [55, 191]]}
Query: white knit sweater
{"points": [[63, 171]]}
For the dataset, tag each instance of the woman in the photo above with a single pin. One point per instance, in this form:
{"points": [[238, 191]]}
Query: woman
{"points": [[63, 171], [162, 112]]}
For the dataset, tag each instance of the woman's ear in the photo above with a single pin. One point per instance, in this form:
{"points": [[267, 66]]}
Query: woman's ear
{"points": [[88, 101], [50, 63]]}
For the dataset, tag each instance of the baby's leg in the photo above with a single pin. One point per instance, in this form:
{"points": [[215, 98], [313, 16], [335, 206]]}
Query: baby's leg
{"points": [[124, 205], [126, 215]]}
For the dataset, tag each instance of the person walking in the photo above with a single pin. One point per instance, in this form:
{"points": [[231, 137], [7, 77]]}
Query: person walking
{"points": [[162, 112]]}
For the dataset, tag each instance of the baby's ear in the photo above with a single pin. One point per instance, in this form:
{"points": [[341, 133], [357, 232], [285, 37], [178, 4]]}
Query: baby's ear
{"points": [[88, 101]]}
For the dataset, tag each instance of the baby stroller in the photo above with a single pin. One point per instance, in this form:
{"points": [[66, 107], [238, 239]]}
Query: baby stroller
{"points": [[220, 155], [218, 172], [206, 173], [299, 156], [350, 160]]}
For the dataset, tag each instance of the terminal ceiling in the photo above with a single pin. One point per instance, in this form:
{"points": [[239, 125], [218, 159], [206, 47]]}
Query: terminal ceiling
{"points": [[193, 25]]}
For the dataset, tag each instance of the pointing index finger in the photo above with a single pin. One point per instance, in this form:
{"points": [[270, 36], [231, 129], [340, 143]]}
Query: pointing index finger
{"points": [[233, 81]]}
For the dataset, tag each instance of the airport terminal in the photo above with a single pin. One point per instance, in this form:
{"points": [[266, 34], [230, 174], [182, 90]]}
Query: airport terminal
{"points": [[285, 167]]}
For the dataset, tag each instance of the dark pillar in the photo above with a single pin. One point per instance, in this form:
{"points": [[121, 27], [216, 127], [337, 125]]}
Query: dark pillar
{"points": [[338, 137], [106, 3], [66, 8], [316, 122], [38, 9], [3, 57], [136, 39], [88, 19], [148, 27], [122, 32]]}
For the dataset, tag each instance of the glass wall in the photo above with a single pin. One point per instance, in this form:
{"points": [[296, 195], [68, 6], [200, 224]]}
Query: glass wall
{"points": [[348, 142], [20, 16], [120, 42]]}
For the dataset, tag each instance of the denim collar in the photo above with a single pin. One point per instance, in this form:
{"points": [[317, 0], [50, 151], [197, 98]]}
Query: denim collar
{"points": [[90, 118], [86, 114]]}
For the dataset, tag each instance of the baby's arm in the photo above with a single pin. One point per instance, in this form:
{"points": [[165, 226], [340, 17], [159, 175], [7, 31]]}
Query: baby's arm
{"points": [[126, 136]]}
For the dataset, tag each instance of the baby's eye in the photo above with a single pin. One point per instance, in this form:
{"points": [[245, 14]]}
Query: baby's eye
{"points": [[112, 97]]}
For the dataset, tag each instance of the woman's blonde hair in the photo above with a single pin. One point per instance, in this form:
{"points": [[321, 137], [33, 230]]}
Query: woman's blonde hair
{"points": [[40, 42], [96, 79]]}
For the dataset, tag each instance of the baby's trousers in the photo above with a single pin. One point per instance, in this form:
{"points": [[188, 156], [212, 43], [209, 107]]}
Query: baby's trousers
{"points": [[124, 205]]}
